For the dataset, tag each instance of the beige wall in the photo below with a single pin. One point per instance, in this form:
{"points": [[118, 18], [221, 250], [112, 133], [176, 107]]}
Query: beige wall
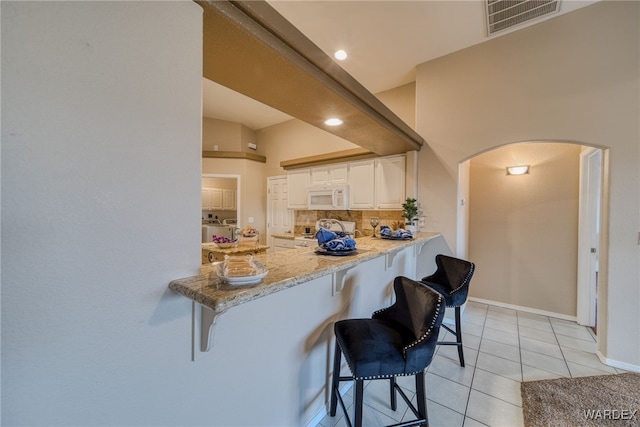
{"points": [[293, 139], [523, 230], [222, 133], [249, 136], [572, 78], [225, 183], [402, 101], [228, 136]]}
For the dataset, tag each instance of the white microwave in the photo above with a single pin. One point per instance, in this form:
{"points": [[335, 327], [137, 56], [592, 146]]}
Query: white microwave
{"points": [[328, 197]]}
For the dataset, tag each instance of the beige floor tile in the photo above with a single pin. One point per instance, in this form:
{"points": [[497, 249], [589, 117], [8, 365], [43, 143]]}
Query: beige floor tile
{"points": [[497, 386], [492, 411]]}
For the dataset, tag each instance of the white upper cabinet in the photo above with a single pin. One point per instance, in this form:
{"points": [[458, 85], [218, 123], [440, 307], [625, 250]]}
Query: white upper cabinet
{"points": [[229, 200], [362, 184], [298, 185], [373, 183], [328, 175], [206, 198], [212, 198], [218, 199], [390, 182]]}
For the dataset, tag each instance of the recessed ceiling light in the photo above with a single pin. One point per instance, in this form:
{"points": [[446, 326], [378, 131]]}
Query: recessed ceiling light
{"points": [[340, 55], [333, 122]]}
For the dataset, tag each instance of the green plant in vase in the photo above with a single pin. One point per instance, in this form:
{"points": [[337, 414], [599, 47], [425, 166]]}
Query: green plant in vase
{"points": [[410, 212]]}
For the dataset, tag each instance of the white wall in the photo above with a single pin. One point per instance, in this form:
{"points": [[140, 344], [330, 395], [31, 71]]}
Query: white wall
{"points": [[572, 78], [101, 169]]}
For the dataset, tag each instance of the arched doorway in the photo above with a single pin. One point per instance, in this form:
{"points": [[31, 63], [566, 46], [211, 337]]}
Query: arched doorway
{"points": [[525, 230]]}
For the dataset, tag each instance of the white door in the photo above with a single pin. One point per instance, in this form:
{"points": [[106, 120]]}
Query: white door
{"points": [[279, 219], [589, 235]]}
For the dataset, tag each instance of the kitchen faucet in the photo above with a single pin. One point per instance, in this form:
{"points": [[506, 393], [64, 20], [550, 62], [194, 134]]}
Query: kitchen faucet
{"points": [[326, 223]]}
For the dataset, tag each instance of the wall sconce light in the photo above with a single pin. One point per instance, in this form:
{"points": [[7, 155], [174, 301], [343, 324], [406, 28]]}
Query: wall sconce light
{"points": [[517, 170]]}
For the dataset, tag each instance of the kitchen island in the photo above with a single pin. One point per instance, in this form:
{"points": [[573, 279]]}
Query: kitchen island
{"points": [[274, 340], [286, 269]]}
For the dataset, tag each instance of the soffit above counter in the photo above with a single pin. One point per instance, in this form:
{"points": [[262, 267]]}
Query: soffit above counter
{"points": [[328, 158], [233, 155], [250, 48]]}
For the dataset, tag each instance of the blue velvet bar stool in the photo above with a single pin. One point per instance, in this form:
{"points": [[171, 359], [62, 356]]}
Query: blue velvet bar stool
{"points": [[397, 340], [451, 279]]}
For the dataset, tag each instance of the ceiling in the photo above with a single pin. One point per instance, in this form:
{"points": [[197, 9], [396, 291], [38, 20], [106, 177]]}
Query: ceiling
{"points": [[385, 41], [221, 103]]}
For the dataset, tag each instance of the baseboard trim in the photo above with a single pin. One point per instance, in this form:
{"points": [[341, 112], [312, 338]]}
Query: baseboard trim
{"points": [[324, 411], [617, 364], [525, 309]]}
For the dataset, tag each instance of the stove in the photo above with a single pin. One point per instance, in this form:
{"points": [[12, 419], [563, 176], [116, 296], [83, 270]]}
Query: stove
{"points": [[305, 242], [309, 240]]}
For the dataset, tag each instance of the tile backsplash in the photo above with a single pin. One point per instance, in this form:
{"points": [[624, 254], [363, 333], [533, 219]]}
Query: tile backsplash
{"points": [[361, 218]]}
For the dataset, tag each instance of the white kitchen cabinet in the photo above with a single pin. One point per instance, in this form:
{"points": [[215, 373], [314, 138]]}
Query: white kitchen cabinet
{"points": [[298, 185], [218, 199], [331, 174], [211, 198], [205, 198], [281, 244], [229, 200], [390, 182], [362, 184]]}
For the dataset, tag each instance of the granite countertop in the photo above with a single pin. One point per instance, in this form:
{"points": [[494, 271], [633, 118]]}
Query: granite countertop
{"points": [[239, 249], [289, 236], [286, 269]]}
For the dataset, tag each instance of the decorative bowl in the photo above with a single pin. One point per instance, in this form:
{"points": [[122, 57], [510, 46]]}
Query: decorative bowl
{"points": [[226, 245]]}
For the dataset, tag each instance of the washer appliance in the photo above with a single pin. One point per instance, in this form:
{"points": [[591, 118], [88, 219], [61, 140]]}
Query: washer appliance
{"points": [[209, 230]]}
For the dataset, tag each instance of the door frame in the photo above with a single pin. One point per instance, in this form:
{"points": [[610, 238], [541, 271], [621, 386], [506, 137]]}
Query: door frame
{"points": [[586, 290], [589, 226], [238, 192]]}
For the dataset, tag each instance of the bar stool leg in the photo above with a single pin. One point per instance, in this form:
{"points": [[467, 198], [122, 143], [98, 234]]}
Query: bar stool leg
{"points": [[459, 337], [336, 380], [392, 391], [357, 403], [421, 398]]}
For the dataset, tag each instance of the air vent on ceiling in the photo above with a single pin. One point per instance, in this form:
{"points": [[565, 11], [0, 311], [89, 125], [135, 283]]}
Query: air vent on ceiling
{"points": [[504, 14]]}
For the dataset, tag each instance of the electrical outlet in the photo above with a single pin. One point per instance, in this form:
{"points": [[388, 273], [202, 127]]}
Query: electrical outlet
{"points": [[250, 220]]}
